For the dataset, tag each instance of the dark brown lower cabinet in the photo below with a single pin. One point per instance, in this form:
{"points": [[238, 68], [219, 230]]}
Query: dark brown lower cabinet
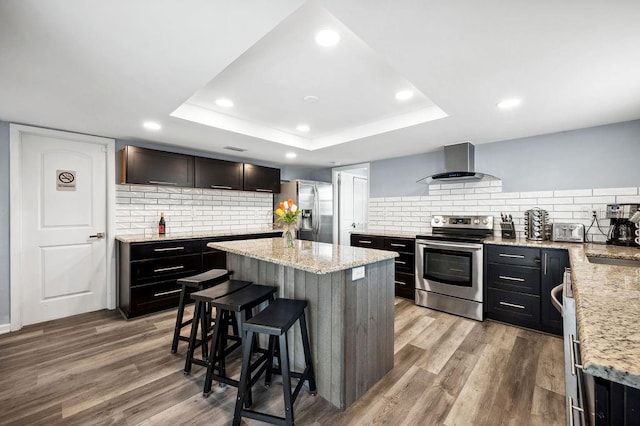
{"points": [[616, 404], [518, 282], [148, 271], [404, 280]]}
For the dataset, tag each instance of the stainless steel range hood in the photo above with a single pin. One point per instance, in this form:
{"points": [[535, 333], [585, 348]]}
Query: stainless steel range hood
{"points": [[459, 165]]}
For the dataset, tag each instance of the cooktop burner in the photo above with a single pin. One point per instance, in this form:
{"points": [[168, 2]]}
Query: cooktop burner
{"points": [[473, 229]]}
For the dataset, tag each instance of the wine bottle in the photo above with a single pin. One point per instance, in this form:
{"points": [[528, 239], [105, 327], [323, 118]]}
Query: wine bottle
{"points": [[161, 225]]}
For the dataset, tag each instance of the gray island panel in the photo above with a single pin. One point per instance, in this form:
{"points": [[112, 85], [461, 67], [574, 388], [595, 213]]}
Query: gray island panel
{"points": [[350, 322]]}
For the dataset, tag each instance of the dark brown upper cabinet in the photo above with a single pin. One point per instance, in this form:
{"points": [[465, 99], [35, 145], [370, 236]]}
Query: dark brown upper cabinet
{"points": [[218, 174], [153, 167], [261, 179]]}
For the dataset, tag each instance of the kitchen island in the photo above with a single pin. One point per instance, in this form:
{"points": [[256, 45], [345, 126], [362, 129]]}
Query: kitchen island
{"points": [[350, 321]]}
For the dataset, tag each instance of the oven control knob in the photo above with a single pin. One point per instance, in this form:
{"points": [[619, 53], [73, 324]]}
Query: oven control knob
{"points": [[476, 221], [485, 221], [436, 220]]}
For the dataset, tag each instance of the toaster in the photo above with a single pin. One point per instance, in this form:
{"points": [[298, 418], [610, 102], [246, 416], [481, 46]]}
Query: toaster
{"points": [[568, 232]]}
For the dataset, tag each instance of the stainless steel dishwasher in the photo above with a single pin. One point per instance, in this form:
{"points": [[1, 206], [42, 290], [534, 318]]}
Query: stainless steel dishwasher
{"points": [[579, 386]]}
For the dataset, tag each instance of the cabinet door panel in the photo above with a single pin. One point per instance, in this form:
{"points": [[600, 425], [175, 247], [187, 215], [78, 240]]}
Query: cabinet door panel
{"points": [[401, 245], [152, 167], [513, 255], [261, 179], [218, 174], [514, 308], [367, 241], [146, 271], [171, 248], [405, 285], [405, 262], [553, 264], [521, 279]]}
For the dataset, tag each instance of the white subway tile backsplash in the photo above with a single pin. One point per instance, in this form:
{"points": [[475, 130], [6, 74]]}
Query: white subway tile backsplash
{"points": [[562, 205], [190, 209], [615, 191]]}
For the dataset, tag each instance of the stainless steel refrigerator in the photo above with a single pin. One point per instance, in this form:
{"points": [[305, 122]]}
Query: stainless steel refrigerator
{"points": [[316, 201]]}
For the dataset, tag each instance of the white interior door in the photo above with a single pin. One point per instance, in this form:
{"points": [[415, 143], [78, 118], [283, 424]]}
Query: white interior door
{"points": [[353, 198], [63, 258]]}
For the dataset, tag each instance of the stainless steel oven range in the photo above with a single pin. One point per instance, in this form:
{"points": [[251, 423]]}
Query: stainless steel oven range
{"points": [[449, 265]]}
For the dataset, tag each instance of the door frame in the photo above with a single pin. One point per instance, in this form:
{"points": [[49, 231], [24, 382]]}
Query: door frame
{"points": [[335, 173], [15, 211]]}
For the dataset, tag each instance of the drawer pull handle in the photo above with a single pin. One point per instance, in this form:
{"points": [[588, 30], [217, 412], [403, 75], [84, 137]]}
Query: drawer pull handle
{"points": [[401, 262], [572, 354], [397, 245], [168, 249], [572, 408], [512, 305], [220, 187], [263, 190], [515, 256], [164, 293], [160, 182], [504, 277], [173, 268], [400, 282], [364, 242]]}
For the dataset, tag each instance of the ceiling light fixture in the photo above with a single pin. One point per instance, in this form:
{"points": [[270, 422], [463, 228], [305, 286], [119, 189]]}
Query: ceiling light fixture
{"points": [[303, 128], [403, 95], [152, 125], [291, 155], [311, 99], [327, 38], [224, 103], [509, 103]]}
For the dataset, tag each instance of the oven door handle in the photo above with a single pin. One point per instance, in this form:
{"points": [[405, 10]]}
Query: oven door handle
{"points": [[450, 245]]}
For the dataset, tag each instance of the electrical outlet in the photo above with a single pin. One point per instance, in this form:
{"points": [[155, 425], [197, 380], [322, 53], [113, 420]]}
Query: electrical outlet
{"points": [[594, 214], [357, 273]]}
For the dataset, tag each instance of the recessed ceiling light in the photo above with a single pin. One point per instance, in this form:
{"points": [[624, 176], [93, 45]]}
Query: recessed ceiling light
{"points": [[291, 155], [152, 125], [403, 95], [327, 38], [509, 103], [311, 99], [303, 128], [224, 103]]}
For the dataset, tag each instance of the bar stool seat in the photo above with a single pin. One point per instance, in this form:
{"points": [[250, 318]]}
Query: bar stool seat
{"points": [[275, 321], [200, 281], [239, 305], [202, 318]]}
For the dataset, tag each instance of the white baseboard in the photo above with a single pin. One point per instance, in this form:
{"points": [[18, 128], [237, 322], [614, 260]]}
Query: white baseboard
{"points": [[5, 328]]}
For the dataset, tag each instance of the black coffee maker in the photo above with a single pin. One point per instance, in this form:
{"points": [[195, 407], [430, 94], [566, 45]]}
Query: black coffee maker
{"points": [[622, 231]]}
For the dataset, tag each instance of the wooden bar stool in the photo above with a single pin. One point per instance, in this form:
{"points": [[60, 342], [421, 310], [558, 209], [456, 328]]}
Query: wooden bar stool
{"points": [[239, 305], [199, 282], [275, 321], [202, 318]]}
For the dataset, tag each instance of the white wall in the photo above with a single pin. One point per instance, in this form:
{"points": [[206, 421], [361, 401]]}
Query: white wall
{"points": [[190, 210], [413, 213]]}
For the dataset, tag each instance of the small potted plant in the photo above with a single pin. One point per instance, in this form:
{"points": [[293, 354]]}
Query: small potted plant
{"points": [[288, 213]]}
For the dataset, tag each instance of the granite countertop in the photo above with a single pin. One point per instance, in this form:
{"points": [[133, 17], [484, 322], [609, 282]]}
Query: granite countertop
{"points": [[607, 308], [141, 238], [310, 256]]}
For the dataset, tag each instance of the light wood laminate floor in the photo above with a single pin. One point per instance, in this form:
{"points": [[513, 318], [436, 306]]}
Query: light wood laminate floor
{"points": [[100, 369]]}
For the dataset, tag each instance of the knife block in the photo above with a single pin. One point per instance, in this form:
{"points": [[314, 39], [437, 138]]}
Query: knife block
{"points": [[508, 230]]}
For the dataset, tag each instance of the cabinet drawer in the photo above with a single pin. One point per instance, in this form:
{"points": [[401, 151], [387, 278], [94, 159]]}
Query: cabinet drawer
{"points": [[405, 285], [514, 308], [163, 249], [147, 271], [400, 245], [154, 297], [512, 255], [405, 262], [521, 279], [367, 241]]}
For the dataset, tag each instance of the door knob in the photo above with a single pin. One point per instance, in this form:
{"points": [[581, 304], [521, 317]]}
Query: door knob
{"points": [[97, 235]]}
